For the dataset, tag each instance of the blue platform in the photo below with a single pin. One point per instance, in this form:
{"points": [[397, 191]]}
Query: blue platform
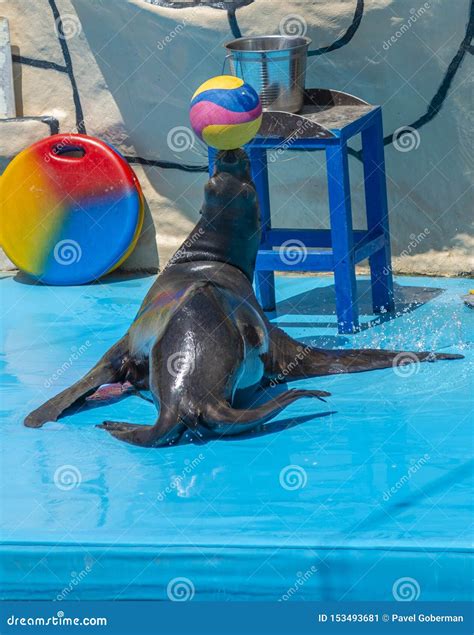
{"points": [[329, 501]]}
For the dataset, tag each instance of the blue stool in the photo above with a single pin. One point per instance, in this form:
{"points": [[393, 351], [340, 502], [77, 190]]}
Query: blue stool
{"points": [[327, 121]]}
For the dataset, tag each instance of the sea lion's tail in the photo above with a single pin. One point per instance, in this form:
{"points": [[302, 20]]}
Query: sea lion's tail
{"points": [[227, 420], [290, 359]]}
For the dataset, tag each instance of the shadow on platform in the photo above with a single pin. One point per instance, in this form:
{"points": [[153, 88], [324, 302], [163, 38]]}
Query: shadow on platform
{"points": [[321, 301]]}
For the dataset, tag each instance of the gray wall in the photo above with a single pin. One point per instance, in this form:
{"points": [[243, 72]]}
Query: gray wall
{"points": [[133, 67]]}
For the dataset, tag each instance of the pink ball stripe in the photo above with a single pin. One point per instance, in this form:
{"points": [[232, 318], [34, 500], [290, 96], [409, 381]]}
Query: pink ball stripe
{"points": [[206, 113]]}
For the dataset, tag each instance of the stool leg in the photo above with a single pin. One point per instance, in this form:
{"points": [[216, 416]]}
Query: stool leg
{"points": [[264, 280], [377, 215], [342, 238]]}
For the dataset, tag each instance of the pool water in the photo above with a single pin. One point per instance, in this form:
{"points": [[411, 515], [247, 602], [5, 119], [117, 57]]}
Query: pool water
{"points": [[366, 496]]}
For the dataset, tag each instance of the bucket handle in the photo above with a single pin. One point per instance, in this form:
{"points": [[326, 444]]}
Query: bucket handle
{"points": [[225, 62], [264, 62]]}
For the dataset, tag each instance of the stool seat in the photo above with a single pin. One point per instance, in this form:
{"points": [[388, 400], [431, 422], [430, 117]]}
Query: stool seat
{"points": [[325, 114], [328, 119]]}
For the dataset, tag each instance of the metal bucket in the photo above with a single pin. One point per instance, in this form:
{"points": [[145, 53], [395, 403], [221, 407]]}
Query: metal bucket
{"points": [[275, 65]]}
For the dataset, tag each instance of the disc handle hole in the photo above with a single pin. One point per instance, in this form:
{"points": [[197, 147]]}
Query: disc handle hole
{"points": [[68, 151]]}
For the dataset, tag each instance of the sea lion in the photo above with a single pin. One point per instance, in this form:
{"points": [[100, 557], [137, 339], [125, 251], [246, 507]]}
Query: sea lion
{"points": [[200, 341]]}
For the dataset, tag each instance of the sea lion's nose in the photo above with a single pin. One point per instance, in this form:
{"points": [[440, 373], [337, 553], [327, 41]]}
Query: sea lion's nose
{"points": [[228, 157], [235, 162]]}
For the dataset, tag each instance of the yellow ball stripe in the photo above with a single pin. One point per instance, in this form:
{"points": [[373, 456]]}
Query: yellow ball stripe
{"points": [[225, 137], [221, 81]]}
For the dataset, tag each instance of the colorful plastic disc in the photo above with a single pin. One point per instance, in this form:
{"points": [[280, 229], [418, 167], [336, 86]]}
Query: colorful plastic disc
{"points": [[71, 209]]}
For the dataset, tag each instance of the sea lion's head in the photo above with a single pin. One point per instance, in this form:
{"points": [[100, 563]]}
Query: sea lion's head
{"points": [[229, 230], [235, 162], [230, 194]]}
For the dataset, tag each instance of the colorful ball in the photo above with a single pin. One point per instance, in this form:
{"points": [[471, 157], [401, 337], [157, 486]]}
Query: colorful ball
{"points": [[71, 209], [225, 113]]}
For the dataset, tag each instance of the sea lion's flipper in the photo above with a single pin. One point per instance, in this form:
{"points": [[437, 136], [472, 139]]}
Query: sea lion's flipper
{"points": [[110, 393], [224, 419], [290, 359], [107, 370], [170, 424], [219, 417], [167, 431]]}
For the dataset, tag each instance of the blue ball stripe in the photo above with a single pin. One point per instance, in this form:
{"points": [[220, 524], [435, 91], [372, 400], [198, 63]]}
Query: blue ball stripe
{"points": [[234, 99]]}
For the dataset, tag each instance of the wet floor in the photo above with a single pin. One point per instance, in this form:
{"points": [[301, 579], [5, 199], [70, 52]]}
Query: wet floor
{"points": [[334, 500]]}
